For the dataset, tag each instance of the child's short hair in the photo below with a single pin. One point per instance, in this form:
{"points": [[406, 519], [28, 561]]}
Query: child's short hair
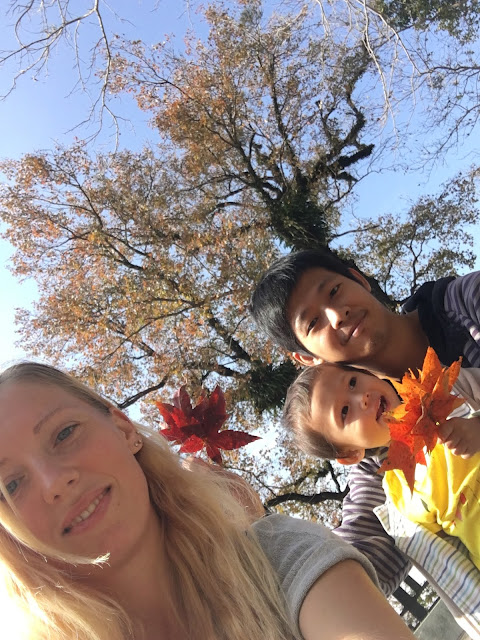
{"points": [[297, 415], [271, 295]]}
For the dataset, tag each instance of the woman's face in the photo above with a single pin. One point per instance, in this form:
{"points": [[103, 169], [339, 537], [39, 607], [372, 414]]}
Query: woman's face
{"points": [[71, 473]]}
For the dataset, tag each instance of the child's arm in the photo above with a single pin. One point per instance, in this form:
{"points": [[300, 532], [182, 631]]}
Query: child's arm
{"points": [[461, 432], [461, 435]]}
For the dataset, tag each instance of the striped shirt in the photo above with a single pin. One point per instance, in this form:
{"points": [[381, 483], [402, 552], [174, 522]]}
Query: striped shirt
{"points": [[360, 526]]}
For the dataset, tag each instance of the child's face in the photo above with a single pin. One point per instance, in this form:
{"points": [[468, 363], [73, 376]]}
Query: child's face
{"points": [[347, 408], [337, 318]]}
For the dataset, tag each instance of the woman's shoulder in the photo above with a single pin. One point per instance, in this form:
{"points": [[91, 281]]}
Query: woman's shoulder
{"points": [[284, 535], [300, 551], [275, 524]]}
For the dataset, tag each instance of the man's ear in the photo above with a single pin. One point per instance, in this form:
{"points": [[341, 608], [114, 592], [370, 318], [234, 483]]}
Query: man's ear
{"points": [[352, 457], [307, 361], [361, 279], [126, 426]]}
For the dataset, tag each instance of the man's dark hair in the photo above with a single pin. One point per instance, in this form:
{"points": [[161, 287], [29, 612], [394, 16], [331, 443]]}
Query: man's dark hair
{"points": [[271, 295]]}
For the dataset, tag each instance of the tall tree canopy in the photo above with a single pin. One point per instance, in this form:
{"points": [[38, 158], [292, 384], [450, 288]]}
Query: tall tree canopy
{"points": [[146, 260]]}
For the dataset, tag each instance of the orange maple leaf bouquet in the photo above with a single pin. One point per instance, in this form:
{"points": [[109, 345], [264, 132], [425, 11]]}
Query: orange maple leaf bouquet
{"points": [[427, 401]]}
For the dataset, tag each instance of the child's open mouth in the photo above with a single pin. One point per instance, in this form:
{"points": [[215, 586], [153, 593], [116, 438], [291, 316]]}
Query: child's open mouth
{"points": [[382, 407]]}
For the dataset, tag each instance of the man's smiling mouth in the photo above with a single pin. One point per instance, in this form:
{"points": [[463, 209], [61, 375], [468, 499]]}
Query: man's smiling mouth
{"points": [[354, 328]]}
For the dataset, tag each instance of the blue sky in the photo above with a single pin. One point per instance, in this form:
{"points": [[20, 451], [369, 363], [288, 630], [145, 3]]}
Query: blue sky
{"points": [[42, 111]]}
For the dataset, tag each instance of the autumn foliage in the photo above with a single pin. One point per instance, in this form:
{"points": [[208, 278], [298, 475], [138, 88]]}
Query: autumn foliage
{"points": [[427, 402], [200, 426], [145, 259]]}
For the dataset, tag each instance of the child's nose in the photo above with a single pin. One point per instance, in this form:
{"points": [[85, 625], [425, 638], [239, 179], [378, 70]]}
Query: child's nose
{"points": [[365, 400]]}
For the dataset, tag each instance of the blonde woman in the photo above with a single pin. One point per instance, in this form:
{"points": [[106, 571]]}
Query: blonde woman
{"points": [[104, 536]]}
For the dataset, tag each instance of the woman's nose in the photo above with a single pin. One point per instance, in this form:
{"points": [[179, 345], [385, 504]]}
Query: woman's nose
{"points": [[56, 481]]}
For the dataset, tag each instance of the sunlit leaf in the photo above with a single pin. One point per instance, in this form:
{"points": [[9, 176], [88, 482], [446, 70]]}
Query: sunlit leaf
{"points": [[198, 427]]}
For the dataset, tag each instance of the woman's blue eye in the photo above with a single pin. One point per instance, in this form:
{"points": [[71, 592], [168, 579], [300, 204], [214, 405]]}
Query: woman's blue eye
{"points": [[352, 383], [344, 412], [65, 433], [11, 487]]}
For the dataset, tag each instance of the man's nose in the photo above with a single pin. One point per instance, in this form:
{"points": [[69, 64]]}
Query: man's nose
{"points": [[56, 481], [336, 316]]}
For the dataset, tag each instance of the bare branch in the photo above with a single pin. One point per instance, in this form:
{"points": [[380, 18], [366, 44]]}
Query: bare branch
{"points": [[141, 394]]}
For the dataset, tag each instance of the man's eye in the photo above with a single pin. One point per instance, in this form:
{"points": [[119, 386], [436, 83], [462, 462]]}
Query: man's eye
{"points": [[65, 433], [334, 291], [352, 383], [344, 412], [311, 325]]}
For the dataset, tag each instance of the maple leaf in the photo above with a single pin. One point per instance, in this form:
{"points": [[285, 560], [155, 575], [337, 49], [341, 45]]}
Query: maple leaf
{"points": [[198, 427], [400, 457], [427, 402]]}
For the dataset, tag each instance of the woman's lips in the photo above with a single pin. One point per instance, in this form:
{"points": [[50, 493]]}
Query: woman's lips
{"points": [[87, 512]]}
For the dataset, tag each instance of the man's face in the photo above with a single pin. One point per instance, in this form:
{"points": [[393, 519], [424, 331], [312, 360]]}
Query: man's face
{"points": [[336, 318]]}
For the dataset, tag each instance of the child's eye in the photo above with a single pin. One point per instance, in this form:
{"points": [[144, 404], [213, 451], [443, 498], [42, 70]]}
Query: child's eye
{"points": [[65, 433], [334, 291], [344, 412], [311, 325], [352, 383]]}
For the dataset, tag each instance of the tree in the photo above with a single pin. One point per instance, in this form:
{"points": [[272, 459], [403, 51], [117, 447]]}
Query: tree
{"points": [[142, 290], [412, 64], [146, 261], [460, 19], [263, 110], [432, 239], [40, 28]]}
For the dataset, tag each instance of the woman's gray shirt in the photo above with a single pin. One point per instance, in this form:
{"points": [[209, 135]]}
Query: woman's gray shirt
{"points": [[300, 552]]}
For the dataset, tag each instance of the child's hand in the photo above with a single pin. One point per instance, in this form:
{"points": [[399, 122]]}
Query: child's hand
{"points": [[461, 435]]}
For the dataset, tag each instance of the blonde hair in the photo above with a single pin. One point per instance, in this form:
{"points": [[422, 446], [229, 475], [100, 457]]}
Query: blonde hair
{"points": [[222, 585]]}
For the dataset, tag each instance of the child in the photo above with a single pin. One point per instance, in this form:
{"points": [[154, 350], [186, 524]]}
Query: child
{"points": [[338, 412]]}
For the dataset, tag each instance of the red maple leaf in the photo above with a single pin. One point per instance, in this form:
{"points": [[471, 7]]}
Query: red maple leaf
{"points": [[427, 402], [195, 428]]}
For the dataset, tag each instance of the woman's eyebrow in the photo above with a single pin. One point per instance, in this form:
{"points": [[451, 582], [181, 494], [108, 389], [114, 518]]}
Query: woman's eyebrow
{"points": [[45, 419], [38, 426]]}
